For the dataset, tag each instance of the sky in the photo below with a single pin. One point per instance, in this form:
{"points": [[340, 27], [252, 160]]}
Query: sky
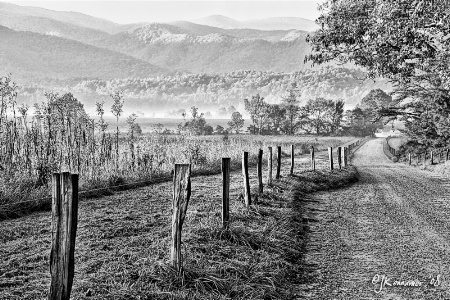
{"points": [[125, 12]]}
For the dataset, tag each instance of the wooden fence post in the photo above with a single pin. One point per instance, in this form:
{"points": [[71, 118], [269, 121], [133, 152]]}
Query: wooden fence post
{"points": [[313, 160], [225, 191], [409, 158], [181, 196], [259, 171], [64, 229], [339, 155], [277, 176], [344, 156], [330, 157], [446, 155], [292, 159], [269, 167], [432, 157], [247, 196]]}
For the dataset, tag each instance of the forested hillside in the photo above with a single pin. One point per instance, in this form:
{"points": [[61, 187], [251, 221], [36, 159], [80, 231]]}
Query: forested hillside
{"points": [[33, 57], [213, 92]]}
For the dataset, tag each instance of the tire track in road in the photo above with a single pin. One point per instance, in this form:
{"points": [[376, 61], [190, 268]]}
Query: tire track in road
{"points": [[395, 222]]}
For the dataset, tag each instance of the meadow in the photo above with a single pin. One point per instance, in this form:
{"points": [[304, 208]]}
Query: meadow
{"points": [[123, 236], [123, 241], [33, 151]]}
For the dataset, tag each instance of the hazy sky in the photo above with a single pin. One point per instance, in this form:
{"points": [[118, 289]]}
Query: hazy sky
{"points": [[164, 11]]}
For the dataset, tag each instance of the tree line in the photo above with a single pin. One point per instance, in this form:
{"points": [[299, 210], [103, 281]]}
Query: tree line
{"points": [[318, 116]]}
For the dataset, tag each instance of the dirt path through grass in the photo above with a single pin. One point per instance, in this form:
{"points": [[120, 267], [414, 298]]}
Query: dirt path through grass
{"points": [[395, 222]]}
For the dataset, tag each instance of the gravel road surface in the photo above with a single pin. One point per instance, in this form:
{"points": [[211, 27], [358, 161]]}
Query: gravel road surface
{"points": [[386, 237]]}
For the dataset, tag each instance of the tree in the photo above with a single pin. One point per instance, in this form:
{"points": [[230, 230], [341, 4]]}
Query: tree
{"points": [[137, 129], [237, 122], [277, 119], [219, 129], [317, 111], [117, 109], [322, 116], [292, 108], [336, 115], [258, 111], [358, 122], [197, 123], [405, 41], [376, 99], [208, 130]]}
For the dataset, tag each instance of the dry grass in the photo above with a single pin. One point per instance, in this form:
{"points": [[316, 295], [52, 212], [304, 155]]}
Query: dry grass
{"points": [[123, 242], [204, 152]]}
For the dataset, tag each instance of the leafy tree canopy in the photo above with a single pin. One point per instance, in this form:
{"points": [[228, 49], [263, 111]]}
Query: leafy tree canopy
{"points": [[407, 41], [375, 99]]}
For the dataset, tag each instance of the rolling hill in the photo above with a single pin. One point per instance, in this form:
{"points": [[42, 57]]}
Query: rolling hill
{"points": [[51, 27], [287, 23], [29, 55], [190, 48], [74, 18]]}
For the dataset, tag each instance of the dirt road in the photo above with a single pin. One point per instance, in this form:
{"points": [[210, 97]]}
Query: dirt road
{"points": [[386, 237]]}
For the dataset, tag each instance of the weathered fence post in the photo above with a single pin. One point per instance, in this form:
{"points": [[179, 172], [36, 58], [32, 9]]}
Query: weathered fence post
{"points": [[446, 155], [64, 229], [313, 160], [344, 156], [269, 166], [277, 176], [409, 158], [432, 157], [247, 196], [330, 157], [259, 171], [181, 196], [225, 191], [292, 159], [339, 155]]}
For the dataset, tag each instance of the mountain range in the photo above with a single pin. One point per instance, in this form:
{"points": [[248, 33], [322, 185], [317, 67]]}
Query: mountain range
{"points": [[39, 44], [284, 23]]}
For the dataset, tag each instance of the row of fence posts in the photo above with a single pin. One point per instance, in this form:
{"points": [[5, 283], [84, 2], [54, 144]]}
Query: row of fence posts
{"points": [[442, 155], [65, 210]]}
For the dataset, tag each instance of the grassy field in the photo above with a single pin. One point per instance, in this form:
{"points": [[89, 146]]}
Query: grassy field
{"points": [[122, 247], [151, 161]]}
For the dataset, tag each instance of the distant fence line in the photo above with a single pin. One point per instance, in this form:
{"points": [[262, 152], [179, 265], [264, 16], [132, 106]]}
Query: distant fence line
{"points": [[435, 156], [65, 199]]}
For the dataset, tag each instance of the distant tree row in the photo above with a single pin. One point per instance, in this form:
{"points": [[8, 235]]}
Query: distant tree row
{"points": [[318, 116]]}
